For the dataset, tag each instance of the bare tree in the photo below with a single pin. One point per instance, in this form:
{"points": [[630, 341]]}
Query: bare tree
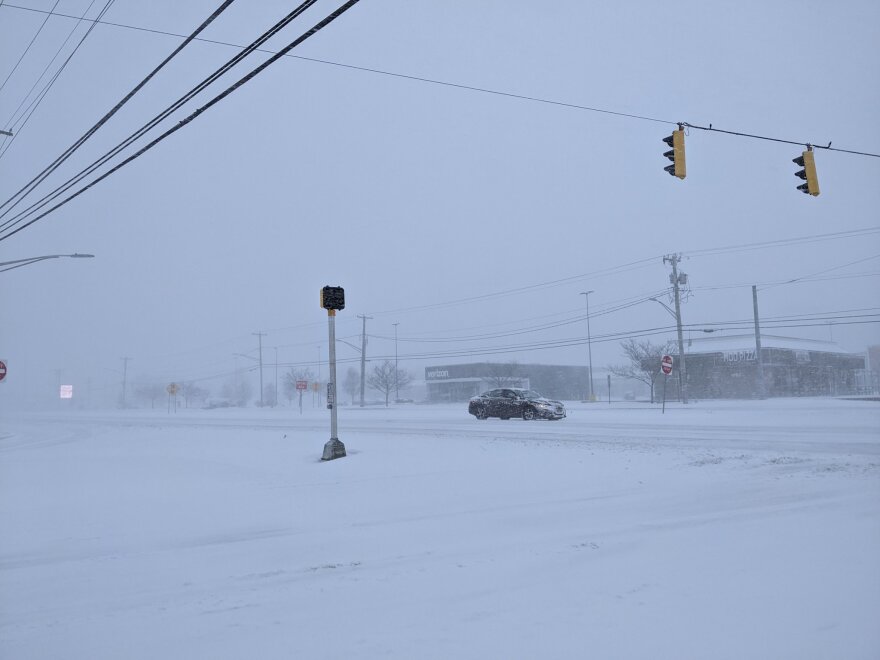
{"points": [[644, 361], [150, 392], [294, 374], [269, 395], [385, 378], [503, 374], [237, 391], [192, 393], [352, 383]]}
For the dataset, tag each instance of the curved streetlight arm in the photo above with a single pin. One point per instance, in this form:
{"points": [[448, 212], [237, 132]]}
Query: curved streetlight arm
{"points": [[666, 307], [342, 341], [18, 263]]}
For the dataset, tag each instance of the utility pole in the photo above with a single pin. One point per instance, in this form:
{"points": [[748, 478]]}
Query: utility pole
{"points": [[275, 398], [396, 381], [260, 336], [676, 281], [124, 377], [589, 343], [762, 393], [363, 355]]}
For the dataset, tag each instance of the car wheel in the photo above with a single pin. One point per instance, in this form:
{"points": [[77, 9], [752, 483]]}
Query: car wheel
{"points": [[481, 414], [528, 413]]}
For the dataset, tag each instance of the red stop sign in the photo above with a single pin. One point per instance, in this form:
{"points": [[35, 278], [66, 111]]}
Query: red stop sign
{"points": [[666, 364]]}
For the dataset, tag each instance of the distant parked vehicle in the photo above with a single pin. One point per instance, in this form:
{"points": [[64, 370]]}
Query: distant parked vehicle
{"points": [[510, 402]]}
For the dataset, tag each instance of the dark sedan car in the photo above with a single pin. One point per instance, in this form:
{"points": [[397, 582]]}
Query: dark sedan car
{"points": [[510, 402]]}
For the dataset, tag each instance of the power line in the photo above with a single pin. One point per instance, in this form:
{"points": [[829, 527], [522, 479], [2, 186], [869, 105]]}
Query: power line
{"points": [[772, 139], [521, 97], [813, 238], [822, 272], [180, 102], [29, 187], [36, 103], [316, 28], [28, 48]]}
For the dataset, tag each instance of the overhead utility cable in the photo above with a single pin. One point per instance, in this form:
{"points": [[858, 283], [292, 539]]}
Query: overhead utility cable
{"points": [[20, 217], [28, 48], [827, 147], [76, 145], [42, 95], [250, 76], [15, 117], [521, 97]]}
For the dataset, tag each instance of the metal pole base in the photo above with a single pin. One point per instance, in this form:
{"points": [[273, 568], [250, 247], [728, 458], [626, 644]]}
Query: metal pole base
{"points": [[333, 449]]}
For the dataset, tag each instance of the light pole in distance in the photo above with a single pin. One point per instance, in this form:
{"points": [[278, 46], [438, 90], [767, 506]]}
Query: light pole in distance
{"points": [[586, 295], [396, 381]]}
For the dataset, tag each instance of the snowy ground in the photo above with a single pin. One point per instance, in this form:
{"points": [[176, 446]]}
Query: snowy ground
{"points": [[717, 530]]}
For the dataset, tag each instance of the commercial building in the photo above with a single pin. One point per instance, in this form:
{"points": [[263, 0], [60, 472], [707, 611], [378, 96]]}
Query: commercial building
{"points": [[459, 382], [727, 367]]}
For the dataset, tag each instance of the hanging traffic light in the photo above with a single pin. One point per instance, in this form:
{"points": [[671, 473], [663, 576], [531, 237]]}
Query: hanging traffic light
{"points": [[808, 174], [676, 153]]}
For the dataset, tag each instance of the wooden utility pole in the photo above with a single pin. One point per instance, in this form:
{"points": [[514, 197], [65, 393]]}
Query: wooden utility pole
{"points": [[676, 281], [761, 387], [260, 336], [363, 355]]}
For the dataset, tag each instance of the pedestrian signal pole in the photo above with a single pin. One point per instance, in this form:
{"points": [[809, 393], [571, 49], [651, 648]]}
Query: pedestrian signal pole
{"points": [[332, 299]]}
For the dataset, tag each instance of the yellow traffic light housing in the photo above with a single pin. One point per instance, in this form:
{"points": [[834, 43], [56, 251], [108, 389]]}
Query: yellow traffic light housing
{"points": [[808, 174], [676, 154]]}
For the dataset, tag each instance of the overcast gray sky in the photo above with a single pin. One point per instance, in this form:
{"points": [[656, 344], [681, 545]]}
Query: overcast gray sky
{"points": [[454, 212]]}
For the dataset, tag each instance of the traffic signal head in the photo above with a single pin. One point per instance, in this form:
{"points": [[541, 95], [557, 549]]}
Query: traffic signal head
{"points": [[333, 297], [676, 153], [808, 174]]}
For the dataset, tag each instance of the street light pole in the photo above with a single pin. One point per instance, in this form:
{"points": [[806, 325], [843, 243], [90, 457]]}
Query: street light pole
{"points": [[586, 295], [676, 283], [396, 381], [124, 377], [18, 263], [363, 355], [260, 335]]}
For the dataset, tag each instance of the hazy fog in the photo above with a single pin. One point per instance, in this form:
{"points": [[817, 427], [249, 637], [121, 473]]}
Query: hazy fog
{"points": [[472, 219]]}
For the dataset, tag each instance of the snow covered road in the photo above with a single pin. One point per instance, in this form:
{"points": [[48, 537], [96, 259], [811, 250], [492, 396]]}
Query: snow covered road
{"points": [[717, 530]]}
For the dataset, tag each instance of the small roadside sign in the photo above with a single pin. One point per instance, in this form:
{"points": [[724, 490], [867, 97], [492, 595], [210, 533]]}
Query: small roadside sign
{"points": [[2, 370], [666, 364], [302, 385]]}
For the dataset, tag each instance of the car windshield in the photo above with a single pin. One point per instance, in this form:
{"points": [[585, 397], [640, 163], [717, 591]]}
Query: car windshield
{"points": [[530, 394]]}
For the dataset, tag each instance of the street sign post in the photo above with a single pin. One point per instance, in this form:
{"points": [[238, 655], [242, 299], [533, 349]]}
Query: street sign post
{"points": [[301, 386], [666, 369], [172, 390]]}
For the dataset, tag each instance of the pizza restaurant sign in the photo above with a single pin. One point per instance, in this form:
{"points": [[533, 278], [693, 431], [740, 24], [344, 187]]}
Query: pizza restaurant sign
{"points": [[739, 356]]}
